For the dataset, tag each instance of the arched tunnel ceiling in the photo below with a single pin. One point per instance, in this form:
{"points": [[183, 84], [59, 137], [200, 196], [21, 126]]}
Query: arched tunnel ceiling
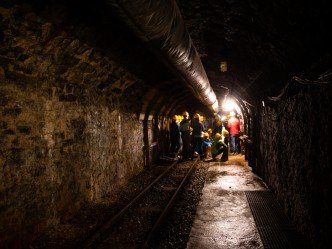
{"points": [[264, 42], [95, 24]]}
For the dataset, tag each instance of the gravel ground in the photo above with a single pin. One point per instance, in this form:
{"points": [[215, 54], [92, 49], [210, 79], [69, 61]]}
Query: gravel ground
{"points": [[174, 234], [176, 230]]}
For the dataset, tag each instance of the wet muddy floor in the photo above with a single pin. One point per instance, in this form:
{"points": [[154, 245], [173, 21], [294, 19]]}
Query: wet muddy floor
{"points": [[223, 217]]}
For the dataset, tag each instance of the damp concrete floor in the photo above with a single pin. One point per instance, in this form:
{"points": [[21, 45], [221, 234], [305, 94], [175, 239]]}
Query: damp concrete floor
{"points": [[223, 217]]}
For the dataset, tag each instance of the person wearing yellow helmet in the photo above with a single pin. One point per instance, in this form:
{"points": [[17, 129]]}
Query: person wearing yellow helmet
{"points": [[209, 131], [225, 132], [217, 136], [218, 146], [175, 136], [197, 136], [217, 124], [185, 135], [206, 145], [225, 139]]}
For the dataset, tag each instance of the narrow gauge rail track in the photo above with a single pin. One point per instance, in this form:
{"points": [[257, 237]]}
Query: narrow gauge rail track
{"points": [[137, 223]]}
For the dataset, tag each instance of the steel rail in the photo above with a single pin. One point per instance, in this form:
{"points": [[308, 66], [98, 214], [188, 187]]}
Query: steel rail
{"points": [[165, 212], [100, 231]]}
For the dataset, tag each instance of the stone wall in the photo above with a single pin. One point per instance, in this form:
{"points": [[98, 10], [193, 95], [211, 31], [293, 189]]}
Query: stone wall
{"points": [[69, 131], [293, 157]]}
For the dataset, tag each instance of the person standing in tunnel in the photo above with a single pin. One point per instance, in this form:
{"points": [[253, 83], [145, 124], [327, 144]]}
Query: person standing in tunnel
{"points": [[197, 137], [234, 130], [185, 135], [175, 136], [217, 125], [225, 138]]}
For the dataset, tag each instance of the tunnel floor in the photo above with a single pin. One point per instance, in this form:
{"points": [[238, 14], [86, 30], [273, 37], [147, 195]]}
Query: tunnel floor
{"points": [[223, 217], [218, 209], [237, 210]]}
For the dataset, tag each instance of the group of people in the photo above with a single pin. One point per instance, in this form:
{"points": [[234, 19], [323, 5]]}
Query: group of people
{"points": [[190, 138]]}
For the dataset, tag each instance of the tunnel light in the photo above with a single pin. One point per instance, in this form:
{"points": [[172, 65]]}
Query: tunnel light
{"points": [[229, 105], [223, 66]]}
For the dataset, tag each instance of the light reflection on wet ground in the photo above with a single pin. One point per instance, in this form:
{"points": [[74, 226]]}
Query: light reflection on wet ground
{"points": [[223, 217]]}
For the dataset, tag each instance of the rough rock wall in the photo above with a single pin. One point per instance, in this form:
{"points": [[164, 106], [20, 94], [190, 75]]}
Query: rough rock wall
{"points": [[66, 136], [293, 158]]}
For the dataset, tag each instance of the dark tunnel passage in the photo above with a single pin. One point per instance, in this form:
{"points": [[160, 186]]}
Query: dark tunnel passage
{"points": [[88, 91]]}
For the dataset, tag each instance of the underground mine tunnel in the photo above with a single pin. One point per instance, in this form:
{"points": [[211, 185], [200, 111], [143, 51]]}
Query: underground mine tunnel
{"points": [[88, 90]]}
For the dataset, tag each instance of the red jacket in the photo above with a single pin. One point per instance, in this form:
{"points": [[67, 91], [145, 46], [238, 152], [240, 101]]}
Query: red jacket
{"points": [[234, 126]]}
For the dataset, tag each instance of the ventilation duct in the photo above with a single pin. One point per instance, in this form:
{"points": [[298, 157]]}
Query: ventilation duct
{"points": [[159, 24]]}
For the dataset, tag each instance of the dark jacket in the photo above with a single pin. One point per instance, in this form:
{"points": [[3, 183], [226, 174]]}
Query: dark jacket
{"points": [[174, 130], [185, 127], [197, 129]]}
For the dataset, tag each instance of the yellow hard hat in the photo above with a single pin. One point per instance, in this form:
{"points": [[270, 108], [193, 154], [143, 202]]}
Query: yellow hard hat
{"points": [[225, 132], [217, 136], [175, 117], [196, 115], [185, 114], [205, 134]]}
